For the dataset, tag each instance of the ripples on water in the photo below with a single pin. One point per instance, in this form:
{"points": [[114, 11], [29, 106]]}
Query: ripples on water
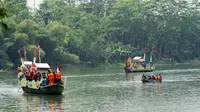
{"points": [[109, 92]]}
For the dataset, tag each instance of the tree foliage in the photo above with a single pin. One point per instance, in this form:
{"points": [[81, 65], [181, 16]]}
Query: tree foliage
{"points": [[100, 31]]}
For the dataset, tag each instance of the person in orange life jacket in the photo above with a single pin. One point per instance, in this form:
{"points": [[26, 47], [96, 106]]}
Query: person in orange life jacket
{"points": [[54, 74], [160, 76], [156, 77], [51, 78], [58, 77], [28, 76], [31, 75]]}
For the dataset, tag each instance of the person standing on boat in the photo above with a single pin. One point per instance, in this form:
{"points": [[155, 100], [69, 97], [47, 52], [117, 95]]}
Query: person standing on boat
{"points": [[51, 78], [58, 77]]}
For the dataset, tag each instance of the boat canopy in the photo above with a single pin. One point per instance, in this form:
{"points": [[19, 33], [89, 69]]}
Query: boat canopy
{"points": [[137, 58], [29, 63], [40, 66]]}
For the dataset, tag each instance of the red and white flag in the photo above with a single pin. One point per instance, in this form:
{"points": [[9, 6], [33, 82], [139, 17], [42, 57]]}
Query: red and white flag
{"points": [[58, 68]]}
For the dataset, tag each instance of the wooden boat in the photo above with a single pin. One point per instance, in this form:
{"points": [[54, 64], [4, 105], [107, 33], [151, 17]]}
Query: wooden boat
{"points": [[150, 81], [128, 70], [30, 86], [49, 89], [138, 64], [37, 88]]}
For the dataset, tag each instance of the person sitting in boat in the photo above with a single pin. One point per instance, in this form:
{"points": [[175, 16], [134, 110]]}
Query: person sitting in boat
{"points": [[51, 78], [44, 75], [28, 76], [143, 77], [160, 76], [153, 77], [156, 77], [37, 76], [58, 77], [20, 74], [34, 76], [149, 78], [44, 82]]}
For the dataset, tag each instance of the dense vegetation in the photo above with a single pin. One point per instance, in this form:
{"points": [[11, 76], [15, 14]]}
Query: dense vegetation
{"points": [[100, 31]]}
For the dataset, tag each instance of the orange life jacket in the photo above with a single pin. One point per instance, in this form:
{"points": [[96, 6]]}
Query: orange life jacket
{"points": [[158, 77], [28, 74], [58, 75], [51, 78]]}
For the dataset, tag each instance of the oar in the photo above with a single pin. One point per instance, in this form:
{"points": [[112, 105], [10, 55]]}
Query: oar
{"points": [[18, 89], [65, 80]]}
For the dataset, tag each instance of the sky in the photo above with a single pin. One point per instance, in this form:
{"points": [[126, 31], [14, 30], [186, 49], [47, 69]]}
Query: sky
{"points": [[30, 3]]}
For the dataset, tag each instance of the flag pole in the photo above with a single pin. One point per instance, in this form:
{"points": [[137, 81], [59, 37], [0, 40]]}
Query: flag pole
{"points": [[25, 53], [34, 58], [20, 57], [38, 46]]}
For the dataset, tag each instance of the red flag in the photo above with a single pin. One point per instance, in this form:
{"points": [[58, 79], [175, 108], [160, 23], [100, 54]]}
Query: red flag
{"points": [[58, 68]]}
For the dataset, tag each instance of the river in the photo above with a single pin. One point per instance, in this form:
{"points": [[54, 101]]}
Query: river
{"points": [[109, 90]]}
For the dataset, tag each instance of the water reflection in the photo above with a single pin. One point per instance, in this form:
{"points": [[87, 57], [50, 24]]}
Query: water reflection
{"points": [[129, 76], [44, 103], [133, 76]]}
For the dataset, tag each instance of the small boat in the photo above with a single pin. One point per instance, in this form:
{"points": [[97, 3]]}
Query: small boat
{"points": [[150, 81]]}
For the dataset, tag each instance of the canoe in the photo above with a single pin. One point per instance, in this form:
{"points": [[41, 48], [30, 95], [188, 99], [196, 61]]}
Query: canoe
{"points": [[133, 71], [150, 81], [49, 89]]}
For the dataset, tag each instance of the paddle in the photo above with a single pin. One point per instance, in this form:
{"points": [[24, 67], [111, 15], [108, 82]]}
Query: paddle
{"points": [[18, 89]]}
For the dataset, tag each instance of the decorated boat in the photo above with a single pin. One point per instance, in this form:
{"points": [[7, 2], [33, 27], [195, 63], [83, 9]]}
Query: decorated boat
{"points": [[38, 78], [139, 64]]}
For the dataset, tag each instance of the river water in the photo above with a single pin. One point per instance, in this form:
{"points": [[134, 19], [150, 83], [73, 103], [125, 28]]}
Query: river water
{"points": [[109, 90]]}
